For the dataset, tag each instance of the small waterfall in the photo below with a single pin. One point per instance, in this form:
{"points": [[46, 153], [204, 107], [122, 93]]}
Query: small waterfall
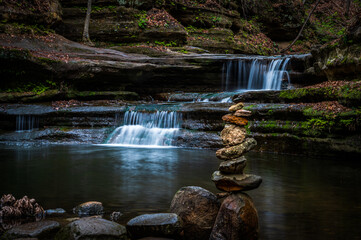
{"points": [[26, 123], [254, 74], [147, 129]]}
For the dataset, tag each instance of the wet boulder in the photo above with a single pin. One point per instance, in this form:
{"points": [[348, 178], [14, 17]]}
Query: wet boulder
{"points": [[155, 225], [198, 209], [237, 219], [89, 209], [42, 230], [232, 135], [236, 151], [92, 228]]}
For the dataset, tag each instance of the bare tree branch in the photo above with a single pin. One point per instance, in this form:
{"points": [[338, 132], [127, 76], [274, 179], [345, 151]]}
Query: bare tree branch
{"points": [[304, 24]]}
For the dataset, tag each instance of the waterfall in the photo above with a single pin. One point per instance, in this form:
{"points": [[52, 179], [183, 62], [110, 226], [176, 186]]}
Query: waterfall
{"points": [[26, 123], [254, 74], [147, 129]]}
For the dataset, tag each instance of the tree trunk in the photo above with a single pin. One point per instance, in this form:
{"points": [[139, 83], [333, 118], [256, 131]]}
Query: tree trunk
{"points": [[304, 24], [86, 37], [348, 3]]}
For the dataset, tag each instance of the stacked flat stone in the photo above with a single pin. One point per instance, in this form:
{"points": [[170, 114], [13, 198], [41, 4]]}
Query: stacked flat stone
{"points": [[230, 177]]}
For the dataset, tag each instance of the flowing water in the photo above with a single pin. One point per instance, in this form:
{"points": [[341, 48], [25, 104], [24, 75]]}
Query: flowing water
{"points": [[255, 73], [300, 197], [26, 123], [147, 129]]}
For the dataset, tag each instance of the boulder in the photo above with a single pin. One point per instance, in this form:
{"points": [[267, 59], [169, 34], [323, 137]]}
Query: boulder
{"points": [[235, 166], [228, 153], [155, 225], [43, 229], [236, 182], [89, 209], [198, 209], [237, 219], [92, 228], [236, 107], [240, 121], [243, 113], [233, 135]]}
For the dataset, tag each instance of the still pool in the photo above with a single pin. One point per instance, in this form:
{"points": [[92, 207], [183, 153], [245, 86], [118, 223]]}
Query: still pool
{"points": [[300, 197]]}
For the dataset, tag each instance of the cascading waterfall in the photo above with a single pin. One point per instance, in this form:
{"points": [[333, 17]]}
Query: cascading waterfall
{"points": [[254, 74], [147, 129], [26, 123]]}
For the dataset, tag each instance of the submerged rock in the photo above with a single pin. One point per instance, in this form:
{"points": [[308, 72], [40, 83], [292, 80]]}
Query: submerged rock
{"points": [[240, 121], [155, 225], [236, 182], [43, 229], [57, 211], [89, 209], [237, 219], [232, 135], [237, 150], [198, 210], [233, 166], [92, 228]]}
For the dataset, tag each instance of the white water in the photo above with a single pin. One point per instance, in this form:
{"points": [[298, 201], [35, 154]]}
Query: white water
{"points": [[255, 74], [26, 123], [146, 129]]}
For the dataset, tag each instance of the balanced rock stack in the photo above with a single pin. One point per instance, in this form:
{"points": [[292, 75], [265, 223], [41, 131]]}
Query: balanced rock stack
{"points": [[230, 177]]}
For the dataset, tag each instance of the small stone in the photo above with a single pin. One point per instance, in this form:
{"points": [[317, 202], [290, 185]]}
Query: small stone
{"points": [[243, 113], [57, 211], [198, 209], [229, 118], [155, 225], [236, 151], [92, 228], [232, 135], [236, 107], [235, 166], [89, 209], [237, 219], [236, 182], [115, 216], [43, 229]]}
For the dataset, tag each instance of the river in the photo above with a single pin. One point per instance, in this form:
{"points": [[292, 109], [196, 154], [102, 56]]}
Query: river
{"points": [[300, 197]]}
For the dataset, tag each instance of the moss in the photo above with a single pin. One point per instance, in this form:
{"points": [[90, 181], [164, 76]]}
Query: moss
{"points": [[309, 94]]}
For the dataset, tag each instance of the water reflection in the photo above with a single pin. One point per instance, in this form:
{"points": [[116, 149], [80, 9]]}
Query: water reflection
{"points": [[300, 198]]}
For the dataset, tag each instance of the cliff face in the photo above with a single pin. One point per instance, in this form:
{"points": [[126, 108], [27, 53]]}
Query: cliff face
{"points": [[217, 26], [342, 59]]}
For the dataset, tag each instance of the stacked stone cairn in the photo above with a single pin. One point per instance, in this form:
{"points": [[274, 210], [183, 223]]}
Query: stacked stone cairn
{"points": [[237, 217], [230, 177]]}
